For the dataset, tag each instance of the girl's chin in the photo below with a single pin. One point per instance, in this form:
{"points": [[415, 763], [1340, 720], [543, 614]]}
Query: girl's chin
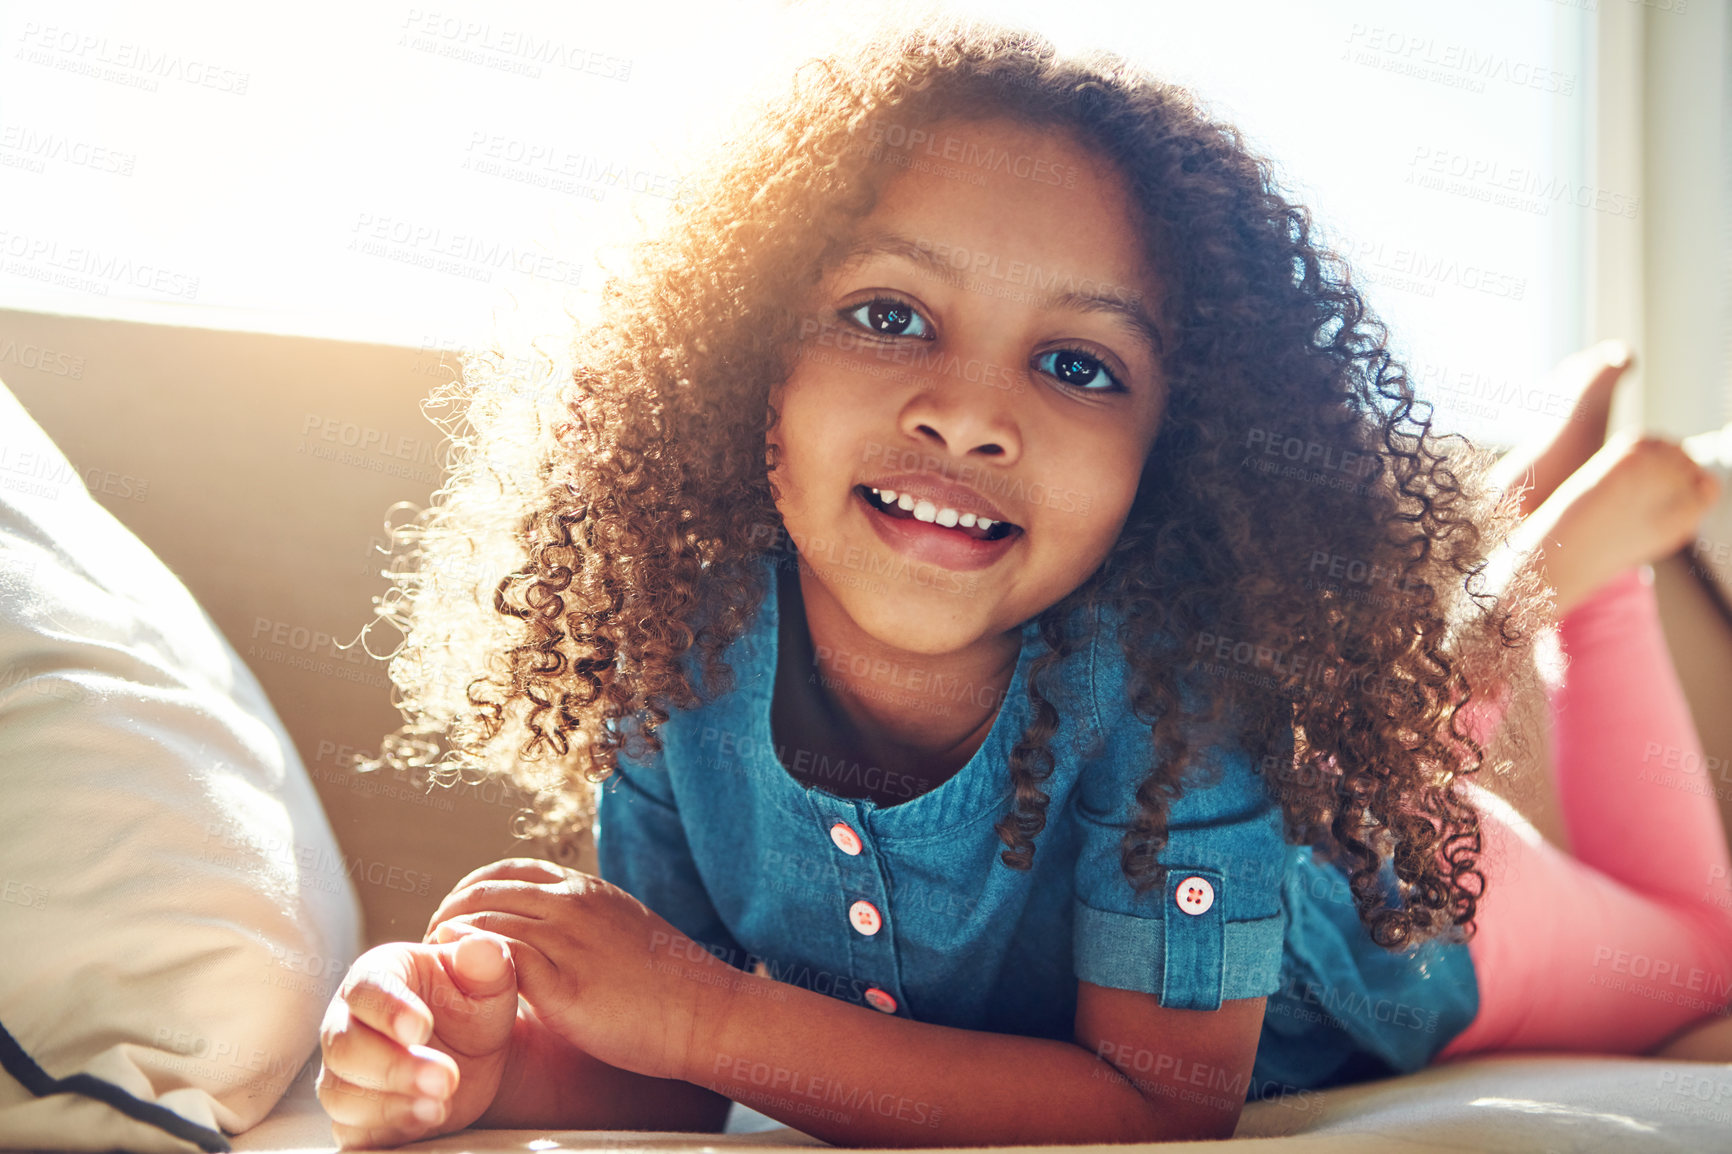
{"points": [[921, 619]]}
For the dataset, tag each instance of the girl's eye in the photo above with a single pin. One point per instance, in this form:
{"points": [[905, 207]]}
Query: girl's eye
{"points": [[890, 318], [1074, 367]]}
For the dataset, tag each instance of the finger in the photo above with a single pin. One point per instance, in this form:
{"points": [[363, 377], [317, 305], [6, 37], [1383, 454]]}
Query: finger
{"points": [[479, 963], [528, 869], [362, 1056], [377, 991], [476, 988], [374, 1116], [1608, 366], [528, 899], [530, 964]]}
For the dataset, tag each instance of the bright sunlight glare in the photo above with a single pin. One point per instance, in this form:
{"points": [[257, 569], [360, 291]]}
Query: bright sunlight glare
{"points": [[442, 176]]}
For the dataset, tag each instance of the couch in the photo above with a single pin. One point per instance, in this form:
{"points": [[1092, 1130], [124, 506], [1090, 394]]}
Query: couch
{"points": [[263, 471]]}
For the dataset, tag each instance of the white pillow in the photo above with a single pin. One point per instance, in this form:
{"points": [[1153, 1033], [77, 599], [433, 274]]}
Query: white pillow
{"points": [[174, 910]]}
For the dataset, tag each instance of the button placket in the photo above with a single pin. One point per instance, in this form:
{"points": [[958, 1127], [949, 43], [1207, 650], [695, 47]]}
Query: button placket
{"points": [[862, 905], [1194, 957]]}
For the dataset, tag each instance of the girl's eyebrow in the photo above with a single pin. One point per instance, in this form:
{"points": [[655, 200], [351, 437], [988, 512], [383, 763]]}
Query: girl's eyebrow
{"points": [[925, 256]]}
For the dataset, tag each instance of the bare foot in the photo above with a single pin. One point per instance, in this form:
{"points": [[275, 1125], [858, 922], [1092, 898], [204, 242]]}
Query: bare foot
{"points": [[1539, 467], [1636, 500]]}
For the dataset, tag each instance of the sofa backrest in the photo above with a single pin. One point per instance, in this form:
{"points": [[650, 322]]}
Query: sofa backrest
{"points": [[261, 469]]}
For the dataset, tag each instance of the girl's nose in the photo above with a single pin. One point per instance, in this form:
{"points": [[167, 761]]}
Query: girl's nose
{"points": [[965, 416]]}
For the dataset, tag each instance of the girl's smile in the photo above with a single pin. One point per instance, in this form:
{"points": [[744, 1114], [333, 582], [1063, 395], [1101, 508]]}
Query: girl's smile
{"points": [[923, 520], [962, 435]]}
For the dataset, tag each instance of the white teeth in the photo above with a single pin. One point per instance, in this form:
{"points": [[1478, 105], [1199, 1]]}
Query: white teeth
{"points": [[930, 512]]}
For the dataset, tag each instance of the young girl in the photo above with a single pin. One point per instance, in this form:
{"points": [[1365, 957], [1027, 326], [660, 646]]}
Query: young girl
{"points": [[1030, 657]]}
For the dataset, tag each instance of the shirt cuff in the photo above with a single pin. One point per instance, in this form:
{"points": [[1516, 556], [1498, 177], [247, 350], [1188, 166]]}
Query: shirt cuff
{"points": [[1189, 961]]}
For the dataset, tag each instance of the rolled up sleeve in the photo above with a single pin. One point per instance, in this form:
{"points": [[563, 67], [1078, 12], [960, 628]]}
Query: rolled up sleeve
{"points": [[1213, 930]]}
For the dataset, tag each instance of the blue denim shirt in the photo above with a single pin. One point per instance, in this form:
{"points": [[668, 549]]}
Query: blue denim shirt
{"points": [[718, 838]]}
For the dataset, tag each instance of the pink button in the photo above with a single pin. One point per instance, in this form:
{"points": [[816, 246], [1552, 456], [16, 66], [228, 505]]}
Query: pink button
{"points": [[864, 916], [846, 839], [879, 1000], [1195, 895]]}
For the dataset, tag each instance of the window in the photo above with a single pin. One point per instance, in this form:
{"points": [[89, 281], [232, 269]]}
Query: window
{"points": [[417, 176]]}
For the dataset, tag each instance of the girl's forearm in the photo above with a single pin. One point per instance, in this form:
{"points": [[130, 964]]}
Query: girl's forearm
{"points": [[550, 1084], [853, 1076]]}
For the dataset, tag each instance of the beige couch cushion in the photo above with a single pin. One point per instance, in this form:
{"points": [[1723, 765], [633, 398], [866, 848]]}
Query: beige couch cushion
{"points": [[1516, 1102], [173, 907], [262, 470]]}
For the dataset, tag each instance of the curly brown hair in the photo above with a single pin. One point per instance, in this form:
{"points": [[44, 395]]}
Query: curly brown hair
{"points": [[602, 527]]}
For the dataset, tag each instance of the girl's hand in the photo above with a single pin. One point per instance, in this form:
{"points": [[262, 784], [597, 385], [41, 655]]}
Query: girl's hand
{"points": [[598, 966], [415, 1040]]}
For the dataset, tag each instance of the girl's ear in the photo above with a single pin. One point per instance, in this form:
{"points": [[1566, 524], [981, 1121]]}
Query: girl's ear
{"points": [[772, 447]]}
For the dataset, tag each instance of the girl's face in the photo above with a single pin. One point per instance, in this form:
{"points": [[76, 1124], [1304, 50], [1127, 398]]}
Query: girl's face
{"points": [[985, 351]]}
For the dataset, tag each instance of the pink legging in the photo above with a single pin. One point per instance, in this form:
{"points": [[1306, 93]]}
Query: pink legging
{"points": [[1628, 941]]}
